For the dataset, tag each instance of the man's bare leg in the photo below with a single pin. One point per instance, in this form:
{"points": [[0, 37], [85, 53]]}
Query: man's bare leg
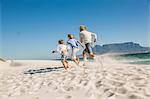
{"points": [[84, 56], [91, 55]]}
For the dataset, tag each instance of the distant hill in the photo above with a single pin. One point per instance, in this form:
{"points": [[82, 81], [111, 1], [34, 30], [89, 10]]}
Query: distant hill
{"points": [[2, 60], [127, 48]]}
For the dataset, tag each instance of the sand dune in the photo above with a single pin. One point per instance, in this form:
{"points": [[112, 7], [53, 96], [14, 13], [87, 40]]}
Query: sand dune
{"points": [[104, 78]]}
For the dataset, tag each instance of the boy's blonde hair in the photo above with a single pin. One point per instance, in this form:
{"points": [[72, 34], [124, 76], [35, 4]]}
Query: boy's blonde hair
{"points": [[70, 36], [61, 41]]}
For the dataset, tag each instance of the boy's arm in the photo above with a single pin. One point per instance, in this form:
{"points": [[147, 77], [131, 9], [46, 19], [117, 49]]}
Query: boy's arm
{"points": [[80, 44], [68, 46], [53, 51], [57, 50]]}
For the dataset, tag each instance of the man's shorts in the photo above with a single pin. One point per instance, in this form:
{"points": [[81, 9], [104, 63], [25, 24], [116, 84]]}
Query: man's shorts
{"points": [[88, 48]]}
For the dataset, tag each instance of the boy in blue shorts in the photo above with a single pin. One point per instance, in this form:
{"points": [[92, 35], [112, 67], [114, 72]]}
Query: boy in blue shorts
{"points": [[63, 50]]}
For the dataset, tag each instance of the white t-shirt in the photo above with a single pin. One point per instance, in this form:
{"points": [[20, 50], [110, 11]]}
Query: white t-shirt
{"points": [[87, 36], [62, 49]]}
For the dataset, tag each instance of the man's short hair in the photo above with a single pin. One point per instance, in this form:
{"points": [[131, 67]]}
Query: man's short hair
{"points": [[82, 27]]}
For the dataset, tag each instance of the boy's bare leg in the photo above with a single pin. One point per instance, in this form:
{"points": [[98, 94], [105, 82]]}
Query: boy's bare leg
{"points": [[78, 60], [65, 64], [75, 60]]}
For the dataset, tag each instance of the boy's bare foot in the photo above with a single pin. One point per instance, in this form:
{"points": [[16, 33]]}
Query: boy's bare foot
{"points": [[65, 68], [84, 64], [78, 60]]}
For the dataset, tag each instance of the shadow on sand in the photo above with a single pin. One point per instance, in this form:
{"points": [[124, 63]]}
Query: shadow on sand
{"points": [[16, 64], [44, 70]]}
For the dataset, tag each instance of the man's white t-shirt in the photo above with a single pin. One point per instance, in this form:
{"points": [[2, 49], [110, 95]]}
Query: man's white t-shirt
{"points": [[87, 36]]}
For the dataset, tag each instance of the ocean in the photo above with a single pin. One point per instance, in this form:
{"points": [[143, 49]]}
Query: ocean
{"points": [[139, 58]]}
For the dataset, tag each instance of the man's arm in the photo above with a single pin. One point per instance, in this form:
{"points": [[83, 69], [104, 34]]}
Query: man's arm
{"points": [[81, 38], [95, 36]]}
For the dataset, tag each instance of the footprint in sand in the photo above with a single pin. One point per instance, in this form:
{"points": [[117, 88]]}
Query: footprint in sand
{"points": [[35, 98], [135, 96], [121, 90], [68, 97], [98, 84], [147, 92]]}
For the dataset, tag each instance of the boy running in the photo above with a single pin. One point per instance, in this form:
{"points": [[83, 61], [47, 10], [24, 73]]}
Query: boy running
{"points": [[62, 49]]}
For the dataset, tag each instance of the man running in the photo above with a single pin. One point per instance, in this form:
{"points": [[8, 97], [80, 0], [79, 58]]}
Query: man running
{"points": [[86, 37]]}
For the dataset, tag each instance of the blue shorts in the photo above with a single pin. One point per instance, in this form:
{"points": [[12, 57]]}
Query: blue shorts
{"points": [[63, 57], [88, 48]]}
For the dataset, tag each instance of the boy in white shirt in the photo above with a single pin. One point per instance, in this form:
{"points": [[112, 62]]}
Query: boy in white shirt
{"points": [[63, 50], [86, 37]]}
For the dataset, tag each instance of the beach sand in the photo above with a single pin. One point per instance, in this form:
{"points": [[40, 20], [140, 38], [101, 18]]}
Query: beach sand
{"points": [[1, 62], [105, 78]]}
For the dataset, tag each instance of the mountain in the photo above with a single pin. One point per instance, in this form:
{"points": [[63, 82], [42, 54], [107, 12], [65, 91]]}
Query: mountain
{"points": [[2, 60], [127, 48]]}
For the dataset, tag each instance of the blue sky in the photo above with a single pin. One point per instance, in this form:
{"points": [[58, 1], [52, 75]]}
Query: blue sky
{"points": [[30, 28]]}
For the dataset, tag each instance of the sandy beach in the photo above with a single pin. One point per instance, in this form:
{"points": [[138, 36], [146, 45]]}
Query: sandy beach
{"points": [[105, 78]]}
